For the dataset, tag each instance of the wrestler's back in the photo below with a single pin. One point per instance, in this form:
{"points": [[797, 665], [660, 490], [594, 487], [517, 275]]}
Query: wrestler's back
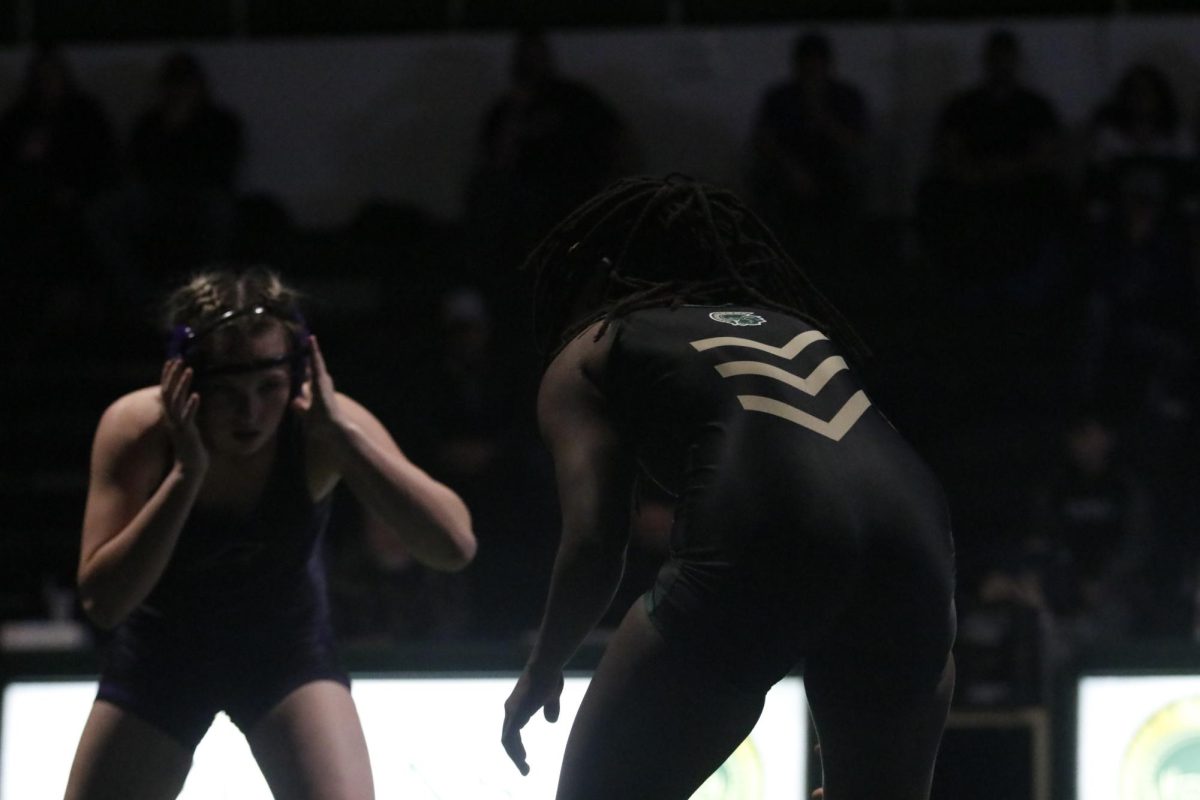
{"points": [[779, 458]]}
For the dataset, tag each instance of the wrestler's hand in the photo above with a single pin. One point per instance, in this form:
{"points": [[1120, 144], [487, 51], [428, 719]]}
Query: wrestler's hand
{"points": [[535, 689], [317, 402], [180, 406]]}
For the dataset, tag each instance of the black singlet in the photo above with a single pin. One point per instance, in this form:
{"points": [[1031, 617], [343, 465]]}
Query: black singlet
{"points": [[805, 523]]}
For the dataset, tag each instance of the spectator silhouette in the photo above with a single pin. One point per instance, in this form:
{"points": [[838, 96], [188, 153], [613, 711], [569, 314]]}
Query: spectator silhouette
{"points": [[1140, 327], [473, 398], [1077, 575], [57, 150], [806, 170], [177, 210], [994, 196], [547, 144], [1139, 129], [1096, 511]]}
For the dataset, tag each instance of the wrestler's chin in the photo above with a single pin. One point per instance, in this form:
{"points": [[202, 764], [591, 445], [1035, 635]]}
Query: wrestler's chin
{"points": [[242, 443]]}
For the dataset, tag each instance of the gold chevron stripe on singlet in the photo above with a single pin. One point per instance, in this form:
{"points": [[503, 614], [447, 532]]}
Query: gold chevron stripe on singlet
{"points": [[834, 428], [813, 384]]}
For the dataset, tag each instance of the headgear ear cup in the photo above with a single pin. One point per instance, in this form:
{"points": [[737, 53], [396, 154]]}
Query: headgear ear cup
{"points": [[184, 338], [177, 343]]}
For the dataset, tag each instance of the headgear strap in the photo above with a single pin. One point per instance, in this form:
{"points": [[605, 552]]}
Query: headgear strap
{"points": [[184, 339]]}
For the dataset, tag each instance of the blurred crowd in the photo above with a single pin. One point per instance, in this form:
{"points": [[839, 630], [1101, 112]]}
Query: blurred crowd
{"points": [[1034, 328]]}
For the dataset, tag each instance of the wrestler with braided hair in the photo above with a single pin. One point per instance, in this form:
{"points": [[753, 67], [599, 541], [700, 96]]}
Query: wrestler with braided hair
{"points": [[683, 346], [645, 242]]}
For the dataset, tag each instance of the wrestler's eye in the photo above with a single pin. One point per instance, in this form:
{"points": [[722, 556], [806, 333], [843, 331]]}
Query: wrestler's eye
{"points": [[221, 391], [271, 386]]}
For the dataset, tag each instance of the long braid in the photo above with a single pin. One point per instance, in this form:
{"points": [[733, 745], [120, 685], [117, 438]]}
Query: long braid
{"points": [[827, 309], [553, 286], [647, 242]]}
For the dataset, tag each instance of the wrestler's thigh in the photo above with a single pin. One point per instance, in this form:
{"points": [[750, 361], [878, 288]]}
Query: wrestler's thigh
{"points": [[122, 756], [311, 746], [879, 734], [654, 722]]}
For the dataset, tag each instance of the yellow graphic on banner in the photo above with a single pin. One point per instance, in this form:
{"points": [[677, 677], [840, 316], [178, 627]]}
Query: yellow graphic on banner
{"points": [[1163, 760], [739, 778]]}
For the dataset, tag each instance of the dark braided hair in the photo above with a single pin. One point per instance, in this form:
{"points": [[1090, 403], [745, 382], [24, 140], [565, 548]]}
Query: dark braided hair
{"points": [[650, 241], [206, 296]]}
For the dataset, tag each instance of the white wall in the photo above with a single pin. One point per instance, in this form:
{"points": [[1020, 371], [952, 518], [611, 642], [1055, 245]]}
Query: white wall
{"points": [[331, 122]]}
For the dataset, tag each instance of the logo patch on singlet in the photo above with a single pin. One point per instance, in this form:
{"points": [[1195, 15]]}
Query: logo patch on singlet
{"points": [[737, 318], [811, 385]]}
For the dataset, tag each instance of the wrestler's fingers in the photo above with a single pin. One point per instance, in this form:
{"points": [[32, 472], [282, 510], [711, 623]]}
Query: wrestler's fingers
{"points": [[553, 704], [190, 409], [181, 382], [318, 359], [170, 382], [510, 737]]}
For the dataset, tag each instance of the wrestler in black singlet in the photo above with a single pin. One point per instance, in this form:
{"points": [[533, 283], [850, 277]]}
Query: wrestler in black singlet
{"points": [[240, 616], [805, 523]]}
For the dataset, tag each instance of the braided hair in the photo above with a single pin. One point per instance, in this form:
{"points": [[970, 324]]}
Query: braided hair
{"points": [[206, 296], [651, 241]]}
